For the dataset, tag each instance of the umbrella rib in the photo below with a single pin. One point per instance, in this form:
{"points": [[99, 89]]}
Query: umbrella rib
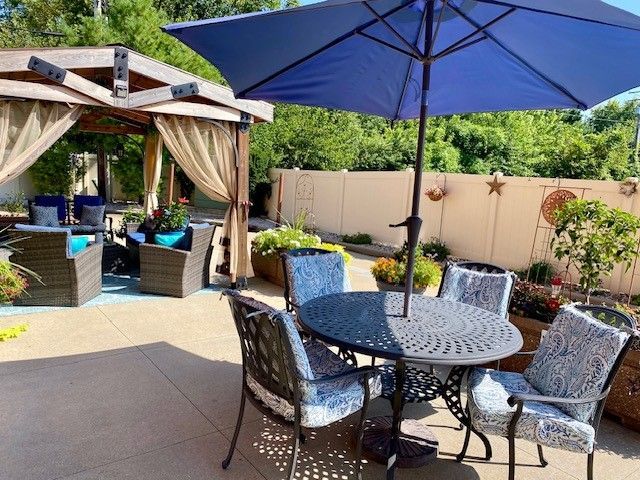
{"points": [[556, 14], [318, 51], [410, 67], [521, 60], [451, 50], [454, 46], [395, 33], [435, 35], [389, 45]]}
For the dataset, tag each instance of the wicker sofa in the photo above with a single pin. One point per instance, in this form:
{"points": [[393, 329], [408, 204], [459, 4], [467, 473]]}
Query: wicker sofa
{"points": [[66, 280], [175, 272]]}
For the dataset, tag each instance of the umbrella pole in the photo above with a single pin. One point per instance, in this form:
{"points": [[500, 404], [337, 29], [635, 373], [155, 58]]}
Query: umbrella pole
{"points": [[414, 222]]}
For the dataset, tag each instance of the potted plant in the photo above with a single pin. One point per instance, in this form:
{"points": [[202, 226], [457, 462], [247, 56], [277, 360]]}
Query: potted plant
{"points": [[167, 220], [390, 274], [267, 246], [594, 238], [435, 193]]}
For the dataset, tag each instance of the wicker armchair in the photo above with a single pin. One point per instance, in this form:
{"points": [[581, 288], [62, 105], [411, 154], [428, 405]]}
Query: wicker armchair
{"points": [[174, 272], [65, 281]]}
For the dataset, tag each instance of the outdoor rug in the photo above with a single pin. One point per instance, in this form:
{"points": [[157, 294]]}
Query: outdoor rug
{"points": [[115, 289]]}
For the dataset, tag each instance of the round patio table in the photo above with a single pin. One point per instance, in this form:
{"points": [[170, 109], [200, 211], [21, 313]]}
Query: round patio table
{"points": [[438, 332]]}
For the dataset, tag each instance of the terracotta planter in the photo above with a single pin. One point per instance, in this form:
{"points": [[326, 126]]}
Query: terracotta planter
{"points": [[388, 287], [268, 267], [620, 404]]}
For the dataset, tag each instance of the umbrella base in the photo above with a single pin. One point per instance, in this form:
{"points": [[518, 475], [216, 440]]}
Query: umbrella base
{"points": [[418, 445]]}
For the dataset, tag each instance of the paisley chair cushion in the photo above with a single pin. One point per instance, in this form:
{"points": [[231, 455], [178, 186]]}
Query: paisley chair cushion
{"points": [[574, 360], [312, 276], [331, 401], [489, 291], [545, 424]]}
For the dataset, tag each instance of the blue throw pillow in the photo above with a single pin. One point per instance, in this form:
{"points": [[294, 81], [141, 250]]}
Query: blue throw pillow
{"points": [[169, 239], [79, 243], [43, 216]]}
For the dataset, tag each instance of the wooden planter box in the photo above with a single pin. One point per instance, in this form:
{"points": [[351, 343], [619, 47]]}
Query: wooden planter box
{"points": [[620, 404], [268, 267]]}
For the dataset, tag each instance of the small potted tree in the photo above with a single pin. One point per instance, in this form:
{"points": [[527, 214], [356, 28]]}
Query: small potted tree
{"points": [[594, 238]]}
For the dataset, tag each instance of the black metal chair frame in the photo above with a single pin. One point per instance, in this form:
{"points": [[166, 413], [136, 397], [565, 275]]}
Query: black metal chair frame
{"points": [[614, 318], [268, 358], [292, 307]]}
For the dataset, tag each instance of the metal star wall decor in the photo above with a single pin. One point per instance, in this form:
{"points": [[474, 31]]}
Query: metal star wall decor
{"points": [[495, 185]]}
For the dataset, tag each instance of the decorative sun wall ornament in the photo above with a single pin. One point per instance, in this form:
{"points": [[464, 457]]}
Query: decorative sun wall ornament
{"points": [[629, 186], [554, 201], [495, 184]]}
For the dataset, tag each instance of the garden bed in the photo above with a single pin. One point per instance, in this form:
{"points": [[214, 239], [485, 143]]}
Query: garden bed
{"points": [[621, 404]]}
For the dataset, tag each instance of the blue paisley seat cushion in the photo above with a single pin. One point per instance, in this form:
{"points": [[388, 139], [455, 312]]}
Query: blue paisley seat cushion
{"points": [[489, 291], [312, 276], [574, 360], [545, 424], [330, 402]]}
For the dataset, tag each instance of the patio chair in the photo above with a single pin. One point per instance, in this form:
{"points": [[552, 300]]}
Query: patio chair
{"points": [[310, 273], [559, 399], [178, 272], [94, 222], [295, 384], [67, 279], [480, 284]]}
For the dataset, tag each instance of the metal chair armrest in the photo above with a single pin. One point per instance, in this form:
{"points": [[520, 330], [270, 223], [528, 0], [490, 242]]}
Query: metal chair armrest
{"points": [[364, 372], [517, 398]]}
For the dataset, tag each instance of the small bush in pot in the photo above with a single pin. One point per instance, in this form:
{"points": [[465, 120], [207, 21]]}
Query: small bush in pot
{"points": [[390, 271], [436, 249]]}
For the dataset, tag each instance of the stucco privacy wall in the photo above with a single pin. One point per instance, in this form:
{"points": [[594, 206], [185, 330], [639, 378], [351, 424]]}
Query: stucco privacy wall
{"points": [[475, 225]]}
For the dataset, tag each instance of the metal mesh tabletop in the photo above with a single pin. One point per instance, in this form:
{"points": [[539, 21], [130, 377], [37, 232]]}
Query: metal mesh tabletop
{"points": [[439, 332]]}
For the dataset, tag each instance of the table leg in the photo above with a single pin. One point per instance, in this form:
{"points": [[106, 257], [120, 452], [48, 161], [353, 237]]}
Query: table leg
{"points": [[452, 396], [397, 405]]}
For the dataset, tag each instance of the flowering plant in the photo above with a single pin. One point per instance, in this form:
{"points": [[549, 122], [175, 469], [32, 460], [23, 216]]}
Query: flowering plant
{"points": [[426, 273], [170, 218], [533, 301]]}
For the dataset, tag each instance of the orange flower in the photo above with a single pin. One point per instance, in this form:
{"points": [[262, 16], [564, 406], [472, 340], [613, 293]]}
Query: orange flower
{"points": [[183, 200]]}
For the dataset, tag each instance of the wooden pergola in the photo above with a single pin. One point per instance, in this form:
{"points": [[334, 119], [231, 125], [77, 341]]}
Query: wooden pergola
{"points": [[128, 89]]}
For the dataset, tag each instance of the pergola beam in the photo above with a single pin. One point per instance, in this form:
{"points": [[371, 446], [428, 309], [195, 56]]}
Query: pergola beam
{"points": [[162, 94], [72, 81], [16, 60], [93, 127]]}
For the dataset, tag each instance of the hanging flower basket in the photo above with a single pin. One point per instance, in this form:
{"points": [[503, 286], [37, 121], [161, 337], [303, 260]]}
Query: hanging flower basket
{"points": [[435, 193]]}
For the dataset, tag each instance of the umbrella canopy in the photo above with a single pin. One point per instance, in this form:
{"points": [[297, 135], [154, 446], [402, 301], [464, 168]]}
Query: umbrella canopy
{"points": [[404, 59], [367, 56]]}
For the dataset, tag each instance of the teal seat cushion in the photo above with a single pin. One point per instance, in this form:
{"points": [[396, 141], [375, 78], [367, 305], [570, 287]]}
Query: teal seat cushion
{"points": [[79, 243], [170, 239]]}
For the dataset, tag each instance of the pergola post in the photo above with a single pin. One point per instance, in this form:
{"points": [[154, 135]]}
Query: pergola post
{"points": [[242, 142]]}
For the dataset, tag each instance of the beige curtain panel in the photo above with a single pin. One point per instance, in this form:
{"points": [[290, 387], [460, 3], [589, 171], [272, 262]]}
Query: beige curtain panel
{"points": [[152, 170], [28, 129], [206, 152]]}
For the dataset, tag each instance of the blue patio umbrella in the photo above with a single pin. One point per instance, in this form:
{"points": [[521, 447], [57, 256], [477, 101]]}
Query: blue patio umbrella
{"points": [[404, 59]]}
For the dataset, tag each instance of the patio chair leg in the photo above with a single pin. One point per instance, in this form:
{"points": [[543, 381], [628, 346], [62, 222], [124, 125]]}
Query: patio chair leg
{"points": [[467, 437], [359, 438], [296, 446], [543, 462], [232, 447], [590, 466], [512, 457]]}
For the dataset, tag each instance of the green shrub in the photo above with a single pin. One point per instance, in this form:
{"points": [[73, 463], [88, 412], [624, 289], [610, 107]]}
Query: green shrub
{"points": [[538, 272], [436, 249], [358, 239], [130, 216], [14, 202]]}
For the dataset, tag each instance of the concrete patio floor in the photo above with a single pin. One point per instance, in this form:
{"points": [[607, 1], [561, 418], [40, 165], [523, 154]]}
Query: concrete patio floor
{"points": [[150, 390]]}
